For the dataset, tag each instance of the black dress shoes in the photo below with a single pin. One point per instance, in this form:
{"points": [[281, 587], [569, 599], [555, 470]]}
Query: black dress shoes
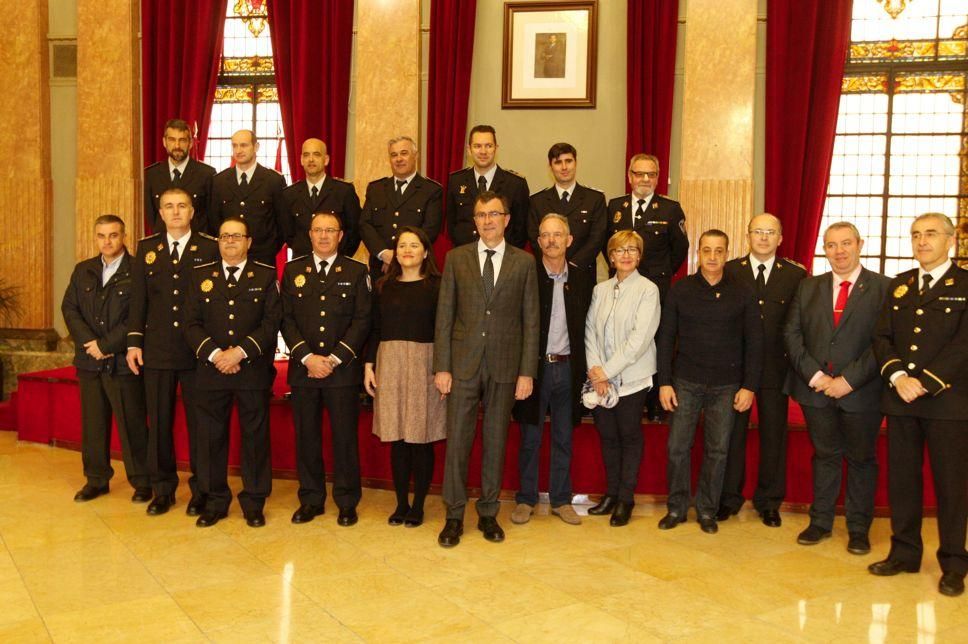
{"points": [[605, 506], [952, 584], [141, 495], [708, 525], [307, 513], [255, 518], [725, 512], [347, 517], [812, 535], [771, 518], [196, 506], [858, 544], [399, 516], [207, 519], [890, 567], [669, 521], [413, 519], [450, 535], [492, 531], [90, 492], [621, 514], [161, 504]]}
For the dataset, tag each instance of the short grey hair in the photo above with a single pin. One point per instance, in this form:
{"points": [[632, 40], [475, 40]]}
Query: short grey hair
{"points": [[397, 139], [949, 228], [838, 226], [556, 217]]}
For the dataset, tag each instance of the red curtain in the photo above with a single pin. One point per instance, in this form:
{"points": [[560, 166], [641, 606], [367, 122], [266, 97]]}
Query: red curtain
{"points": [[181, 44], [806, 49], [651, 68], [312, 44]]}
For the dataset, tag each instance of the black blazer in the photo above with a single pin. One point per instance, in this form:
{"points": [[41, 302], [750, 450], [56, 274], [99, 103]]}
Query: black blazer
{"points": [[461, 193], [383, 213], [812, 341], [259, 203], [926, 336], [663, 231], [298, 208], [774, 305], [586, 218], [197, 181]]}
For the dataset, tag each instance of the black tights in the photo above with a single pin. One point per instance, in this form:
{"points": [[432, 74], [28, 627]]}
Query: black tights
{"points": [[408, 459]]}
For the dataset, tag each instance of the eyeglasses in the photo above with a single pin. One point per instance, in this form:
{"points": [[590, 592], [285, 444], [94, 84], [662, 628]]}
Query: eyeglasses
{"points": [[324, 231], [927, 235], [764, 232], [631, 251], [227, 237], [639, 175], [554, 235], [491, 214]]}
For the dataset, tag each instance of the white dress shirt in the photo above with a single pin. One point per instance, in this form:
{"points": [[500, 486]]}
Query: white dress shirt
{"points": [[496, 259]]}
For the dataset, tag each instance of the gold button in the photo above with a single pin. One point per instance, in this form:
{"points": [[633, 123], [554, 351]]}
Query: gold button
{"points": [[947, 310], [174, 308], [919, 312], [231, 316], [241, 203], [914, 347], [322, 298], [322, 344], [175, 292], [231, 332], [322, 328], [176, 277], [917, 329], [231, 302], [394, 225], [175, 323], [895, 307], [761, 302], [911, 365], [396, 213], [242, 216], [483, 333]]}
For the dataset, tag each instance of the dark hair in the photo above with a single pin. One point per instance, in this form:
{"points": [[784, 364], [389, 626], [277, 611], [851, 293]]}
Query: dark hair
{"points": [[490, 195], [109, 219], [328, 213], [236, 219], [178, 124], [175, 191], [714, 232], [482, 129], [558, 149], [427, 269]]}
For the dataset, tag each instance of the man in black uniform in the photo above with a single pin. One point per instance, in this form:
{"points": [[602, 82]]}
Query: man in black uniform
{"points": [[160, 279], [403, 199], [233, 314], [775, 282], [319, 192], [584, 208], [95, 310], [464, 185], [253, 193], [326, 303], [921, 345], [178, 171]]}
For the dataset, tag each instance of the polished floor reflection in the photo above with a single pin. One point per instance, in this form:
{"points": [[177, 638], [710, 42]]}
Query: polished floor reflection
{"points": [[104, 571]]}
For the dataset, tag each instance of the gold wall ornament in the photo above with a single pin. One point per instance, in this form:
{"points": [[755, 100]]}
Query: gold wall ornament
{"points": [[253, 14], [893, 7]]}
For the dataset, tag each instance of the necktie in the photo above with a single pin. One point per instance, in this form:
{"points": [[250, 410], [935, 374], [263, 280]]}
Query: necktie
{"points": [[564, 198], [487, 275], [315, 194], [481, 184], [760, 279], [639, 212], [927, 283], [175, 176], [841, 301], [400, 185], [245, 181], [322, 268], [174, 252], [232, 271]]}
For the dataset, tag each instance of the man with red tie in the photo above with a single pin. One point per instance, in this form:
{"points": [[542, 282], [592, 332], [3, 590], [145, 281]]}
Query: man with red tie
{"points": [[834, 377]]}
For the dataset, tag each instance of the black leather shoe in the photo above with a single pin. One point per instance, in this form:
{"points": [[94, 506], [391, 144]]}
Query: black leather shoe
{"points": [[771, 518], [399, 516], [492, 531], [207, 519], [725, 512], [952, 584], [196, 506], [413, 519], [605, 506], [858, 544], [141, 495], [347, 517], [255, 518], [90, 492], [708, 525], [621, 514], [812, 535], [307, 513], [450, 535], [669, 521], [890, 567], [161, 504]]}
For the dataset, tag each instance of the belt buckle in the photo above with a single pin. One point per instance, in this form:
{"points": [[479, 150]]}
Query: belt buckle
{"points": [[551, 358]]}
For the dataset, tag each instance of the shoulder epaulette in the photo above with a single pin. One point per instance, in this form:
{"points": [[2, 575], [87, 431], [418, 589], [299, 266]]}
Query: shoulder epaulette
{"points": [[594, 188], [432, 181], [151, 236], [795, 263], [296, 259], [153, 165], [207, 236], [264, 265], [352, 259], [206, 265], [464, 169], [514, 172]]}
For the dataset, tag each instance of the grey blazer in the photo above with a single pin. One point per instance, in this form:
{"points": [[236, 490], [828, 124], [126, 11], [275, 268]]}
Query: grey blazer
{"points": [[502, 331], [813, 343]]}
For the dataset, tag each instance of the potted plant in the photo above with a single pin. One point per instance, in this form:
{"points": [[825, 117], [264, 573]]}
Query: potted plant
{"points": [[9, 311]]}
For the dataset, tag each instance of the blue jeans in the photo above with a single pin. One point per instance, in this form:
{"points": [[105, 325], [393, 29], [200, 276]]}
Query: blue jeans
{"points": [[715, 403], [555, 396]]}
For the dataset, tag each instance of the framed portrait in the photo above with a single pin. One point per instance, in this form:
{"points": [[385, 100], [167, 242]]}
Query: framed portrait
{"points": [[550, 54]]}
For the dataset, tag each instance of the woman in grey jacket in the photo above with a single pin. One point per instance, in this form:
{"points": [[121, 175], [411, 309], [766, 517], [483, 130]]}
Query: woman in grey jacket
{"points": [[620, 349]]}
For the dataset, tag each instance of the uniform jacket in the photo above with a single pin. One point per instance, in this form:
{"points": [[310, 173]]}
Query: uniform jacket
{"points": [[461, 193], [326, 314], [158, 291], [383, 213], [95, 312], [298, 209], [196, 181], [663, 230], [586, 218], [926, 336], [259, 204]]}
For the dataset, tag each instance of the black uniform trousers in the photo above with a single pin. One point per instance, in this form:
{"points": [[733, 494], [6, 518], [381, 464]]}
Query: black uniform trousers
{"points": [[161, 388], [622, 438], [102, 394], [771, 408], [947, 442], [214, 408], [343, 405]]}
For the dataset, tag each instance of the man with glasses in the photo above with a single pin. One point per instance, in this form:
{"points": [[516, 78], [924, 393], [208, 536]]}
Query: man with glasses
{"points": [[774, 280], [326, 318], [921, 345], [233, 313], [485, 351]]}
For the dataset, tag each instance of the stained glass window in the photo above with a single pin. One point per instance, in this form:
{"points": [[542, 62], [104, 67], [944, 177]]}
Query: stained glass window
{"points": [[902, 132], [246, 95]]}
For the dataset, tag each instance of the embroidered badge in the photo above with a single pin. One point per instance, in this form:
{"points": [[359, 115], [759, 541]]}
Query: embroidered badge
{"points": [[150, 257], [949, 282], [193, 248], [300, 281], [900, 291], [206, 286], [463, 190]]}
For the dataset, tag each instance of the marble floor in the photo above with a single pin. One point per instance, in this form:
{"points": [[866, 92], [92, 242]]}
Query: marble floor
{"points": [[104, 571]]}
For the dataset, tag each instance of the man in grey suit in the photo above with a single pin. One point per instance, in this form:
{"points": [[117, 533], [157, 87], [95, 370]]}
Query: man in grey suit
{"points": [[485, 351], [834, 377]]}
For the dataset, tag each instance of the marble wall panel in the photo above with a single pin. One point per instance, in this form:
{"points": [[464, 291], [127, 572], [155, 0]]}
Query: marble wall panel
{"points": [[717, 203]]}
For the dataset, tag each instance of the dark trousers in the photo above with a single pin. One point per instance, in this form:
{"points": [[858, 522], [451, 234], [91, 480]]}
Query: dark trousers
{"points": [[214, 410], [343, 405], [498, 398], [554, 396], [715, 403], [416, 459], [771, 407], [124, 396], [620, 433], [837, 435], [947, 442], [161, 388]]}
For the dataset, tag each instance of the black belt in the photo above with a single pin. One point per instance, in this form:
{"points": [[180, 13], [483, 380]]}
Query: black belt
{"points": [[551, 357]]}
